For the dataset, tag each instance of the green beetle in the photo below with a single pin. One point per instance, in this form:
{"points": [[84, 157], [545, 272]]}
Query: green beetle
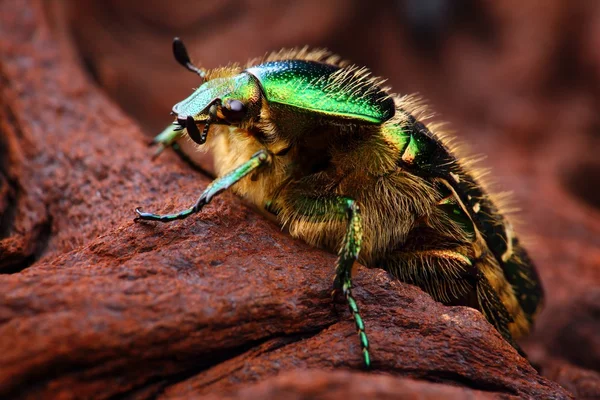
{"points": [[351, 168]]}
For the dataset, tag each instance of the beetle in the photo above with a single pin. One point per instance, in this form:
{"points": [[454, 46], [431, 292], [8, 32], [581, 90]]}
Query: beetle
{"points": [[347, 166]]}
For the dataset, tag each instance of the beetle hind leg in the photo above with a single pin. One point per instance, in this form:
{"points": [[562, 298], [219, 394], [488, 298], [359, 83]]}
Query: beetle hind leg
{"points": [[495, 312], [452, 278]]}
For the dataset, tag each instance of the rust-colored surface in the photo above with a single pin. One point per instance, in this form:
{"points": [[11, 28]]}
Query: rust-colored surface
{"points": [[93, 305], [346, 385]]}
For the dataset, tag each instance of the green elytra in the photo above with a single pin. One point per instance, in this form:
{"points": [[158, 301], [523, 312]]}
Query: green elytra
{"points": [[321, 89]]}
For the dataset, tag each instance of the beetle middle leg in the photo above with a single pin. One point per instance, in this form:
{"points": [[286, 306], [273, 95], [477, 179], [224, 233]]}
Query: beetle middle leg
{"points": [[347, 255], [259, 158], [304, 208]]}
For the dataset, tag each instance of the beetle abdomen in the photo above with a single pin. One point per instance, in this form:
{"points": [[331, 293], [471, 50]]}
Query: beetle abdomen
{"points": [[426, 155]]}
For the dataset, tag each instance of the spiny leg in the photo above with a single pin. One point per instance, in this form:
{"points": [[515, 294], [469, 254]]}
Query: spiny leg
{"points": [[495, 311], [303, 204], [259, 158], [347, 255]]}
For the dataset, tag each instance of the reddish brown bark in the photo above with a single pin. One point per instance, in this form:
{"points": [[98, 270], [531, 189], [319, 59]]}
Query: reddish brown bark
{"points": [[92, 304]]}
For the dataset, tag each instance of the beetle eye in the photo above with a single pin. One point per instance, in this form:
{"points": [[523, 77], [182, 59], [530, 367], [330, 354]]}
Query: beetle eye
{"points": [[234, 110]]}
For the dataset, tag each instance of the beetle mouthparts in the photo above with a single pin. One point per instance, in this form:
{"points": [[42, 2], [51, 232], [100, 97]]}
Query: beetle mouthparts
{"points": [[192, 129]]}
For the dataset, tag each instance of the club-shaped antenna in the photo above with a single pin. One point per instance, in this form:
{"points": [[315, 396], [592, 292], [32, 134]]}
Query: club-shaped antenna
{"points": [[183, 58]]}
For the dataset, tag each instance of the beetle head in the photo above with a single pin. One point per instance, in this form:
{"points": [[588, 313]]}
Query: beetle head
{"points": [[230, 100]]}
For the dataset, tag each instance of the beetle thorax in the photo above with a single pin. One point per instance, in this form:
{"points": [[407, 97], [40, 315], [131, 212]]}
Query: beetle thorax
{"points": [[231, 146]]}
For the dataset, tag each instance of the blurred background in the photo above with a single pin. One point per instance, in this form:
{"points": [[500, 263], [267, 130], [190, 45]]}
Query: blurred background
{"points": [[518, 81], [525, 71]]}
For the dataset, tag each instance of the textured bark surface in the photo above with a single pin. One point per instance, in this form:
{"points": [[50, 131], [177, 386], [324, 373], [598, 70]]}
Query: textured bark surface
{"points": [[346, 385], [93, 305]]}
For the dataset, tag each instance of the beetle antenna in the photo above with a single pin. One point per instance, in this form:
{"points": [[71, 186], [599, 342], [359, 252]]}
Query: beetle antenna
{"points": [[183, 58]]}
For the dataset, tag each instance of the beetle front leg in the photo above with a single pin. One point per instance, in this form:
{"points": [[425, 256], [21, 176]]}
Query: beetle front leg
{"points": [[259, 158], [167, 138]]}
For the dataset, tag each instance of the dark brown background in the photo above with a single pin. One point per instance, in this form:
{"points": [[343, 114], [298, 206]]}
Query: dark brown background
{"points": [[223, 303]]}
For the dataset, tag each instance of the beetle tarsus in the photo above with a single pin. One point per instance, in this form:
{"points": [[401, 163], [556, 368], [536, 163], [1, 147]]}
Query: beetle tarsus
{"points": [[142, 216]]}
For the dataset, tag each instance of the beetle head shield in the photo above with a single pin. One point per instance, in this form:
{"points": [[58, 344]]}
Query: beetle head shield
{"points": [[228, 101]]}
